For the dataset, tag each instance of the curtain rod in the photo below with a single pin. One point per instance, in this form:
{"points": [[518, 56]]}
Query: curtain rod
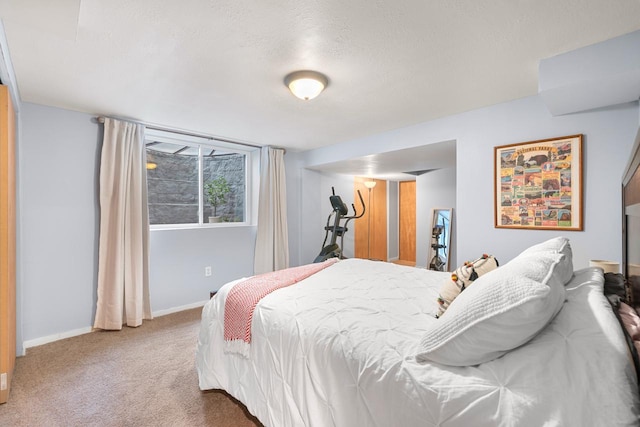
{"points": [[199, 135]]}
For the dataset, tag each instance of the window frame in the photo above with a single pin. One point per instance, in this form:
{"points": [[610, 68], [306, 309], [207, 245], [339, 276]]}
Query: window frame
{"points": [[151, 135]]}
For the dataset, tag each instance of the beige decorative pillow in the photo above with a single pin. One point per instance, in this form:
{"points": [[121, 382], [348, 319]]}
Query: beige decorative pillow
{"points": [[462, 278]]}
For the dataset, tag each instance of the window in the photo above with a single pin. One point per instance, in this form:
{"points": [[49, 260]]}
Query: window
{"points": [[194, 181]]}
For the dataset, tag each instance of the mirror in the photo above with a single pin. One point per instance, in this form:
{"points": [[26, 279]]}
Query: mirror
{"points": [[440, 243]]}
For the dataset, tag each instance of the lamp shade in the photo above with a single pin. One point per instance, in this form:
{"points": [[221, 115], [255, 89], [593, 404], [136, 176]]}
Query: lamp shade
{"points": [[370, 184], [306, 84]]}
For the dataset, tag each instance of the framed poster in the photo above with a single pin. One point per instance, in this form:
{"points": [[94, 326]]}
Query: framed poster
{"points": [[538, 184]]}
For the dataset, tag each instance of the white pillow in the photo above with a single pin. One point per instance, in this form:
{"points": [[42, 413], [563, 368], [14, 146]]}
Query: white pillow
{"points": [[557, 245], [503, 309]]}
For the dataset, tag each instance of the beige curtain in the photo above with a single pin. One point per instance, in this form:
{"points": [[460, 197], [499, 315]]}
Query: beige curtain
{"points": [[272, 241], [123, 266]]}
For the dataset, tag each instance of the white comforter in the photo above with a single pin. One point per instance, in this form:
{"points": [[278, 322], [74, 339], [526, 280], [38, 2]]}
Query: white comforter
{"points": [[338, 350]]}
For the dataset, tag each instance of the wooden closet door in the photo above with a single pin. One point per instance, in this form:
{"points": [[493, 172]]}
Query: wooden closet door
{"points": [[7, 243], [371, 229], [407, 222]]}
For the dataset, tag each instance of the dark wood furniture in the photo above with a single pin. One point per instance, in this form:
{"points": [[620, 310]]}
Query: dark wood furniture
{"points": [[631, 224]]}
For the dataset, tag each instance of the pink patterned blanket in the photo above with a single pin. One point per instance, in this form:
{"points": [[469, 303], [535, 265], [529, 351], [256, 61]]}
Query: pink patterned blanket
{"points": [[244, 296]]}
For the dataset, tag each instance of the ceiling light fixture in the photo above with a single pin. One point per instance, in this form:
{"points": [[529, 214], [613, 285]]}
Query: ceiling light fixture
{"points": [[306, 84]]}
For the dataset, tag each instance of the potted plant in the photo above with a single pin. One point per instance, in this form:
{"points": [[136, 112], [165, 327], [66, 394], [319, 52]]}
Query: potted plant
{"points": [[216, 191]]}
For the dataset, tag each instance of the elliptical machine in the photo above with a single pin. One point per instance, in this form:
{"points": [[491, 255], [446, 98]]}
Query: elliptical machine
{"points": [[339, 213]]}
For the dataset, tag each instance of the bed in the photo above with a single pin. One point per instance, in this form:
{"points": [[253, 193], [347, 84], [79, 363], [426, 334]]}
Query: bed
{"points": [[364, 343], [358, 344]]}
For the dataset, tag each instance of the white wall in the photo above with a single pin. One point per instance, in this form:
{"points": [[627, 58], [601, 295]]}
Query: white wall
{"points": [[608, 136], [293, 175], [434, 190], [599, 75], [312, 203], [59, 154], [179, 257], [59, 180]]}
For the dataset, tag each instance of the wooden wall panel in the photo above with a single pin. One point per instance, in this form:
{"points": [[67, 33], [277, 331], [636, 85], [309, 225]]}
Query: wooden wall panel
{"points": [[7, 243], [407, 221], [372, 243]]}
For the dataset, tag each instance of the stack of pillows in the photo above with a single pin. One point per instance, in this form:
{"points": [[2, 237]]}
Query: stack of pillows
{"points": [[501, 309], [462, 278]]}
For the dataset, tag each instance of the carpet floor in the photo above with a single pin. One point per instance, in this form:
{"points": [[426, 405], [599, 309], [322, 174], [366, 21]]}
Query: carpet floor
{"points": [[141, 376]]}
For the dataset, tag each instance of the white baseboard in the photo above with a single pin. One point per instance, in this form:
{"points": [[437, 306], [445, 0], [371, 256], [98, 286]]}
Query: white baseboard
{"points": [[55, 337], [81, 331], [181, 308]]}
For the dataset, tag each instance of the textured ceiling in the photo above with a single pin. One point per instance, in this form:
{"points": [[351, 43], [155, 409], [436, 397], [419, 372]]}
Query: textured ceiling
{"points": [[217, 67]]}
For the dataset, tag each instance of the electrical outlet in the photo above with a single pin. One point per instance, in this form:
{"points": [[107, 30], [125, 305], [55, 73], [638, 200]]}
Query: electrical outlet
{"points": [[207, 271]]}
